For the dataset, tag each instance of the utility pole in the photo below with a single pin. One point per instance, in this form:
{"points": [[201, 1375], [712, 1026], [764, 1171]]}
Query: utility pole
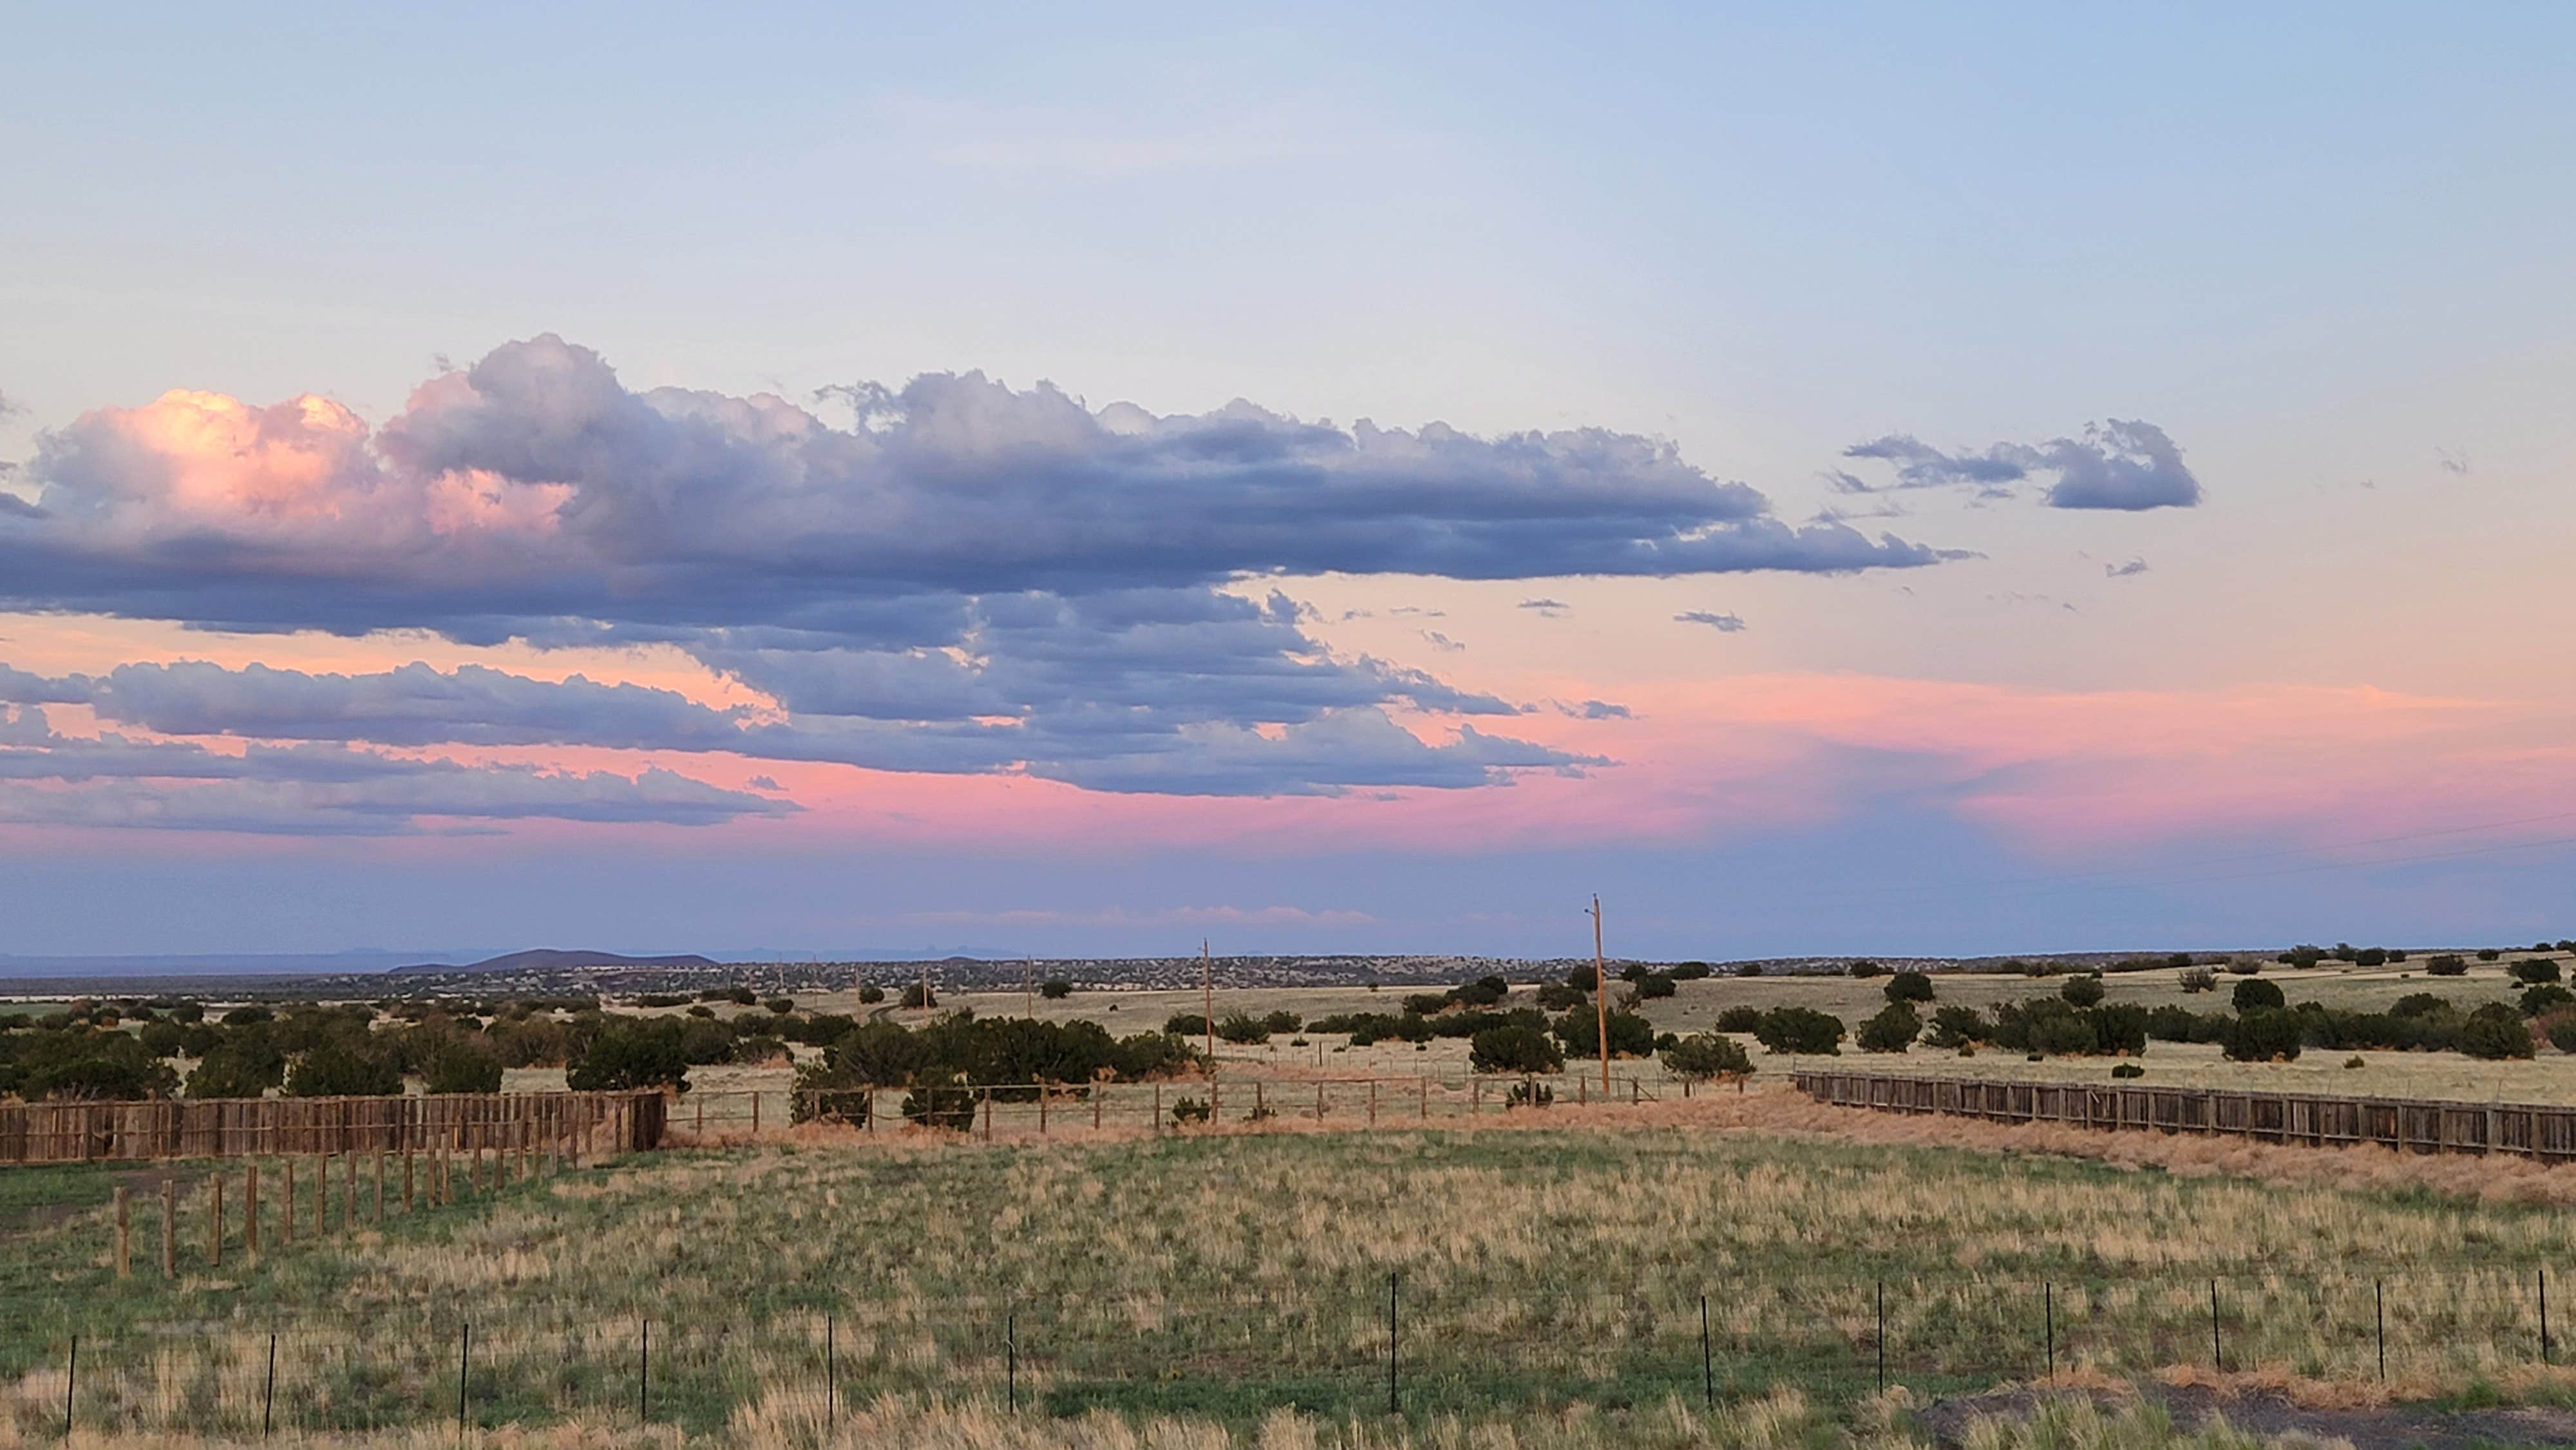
{"points": [[925, 984], [1028, 996], [1601, 995], [1207, 1000]]}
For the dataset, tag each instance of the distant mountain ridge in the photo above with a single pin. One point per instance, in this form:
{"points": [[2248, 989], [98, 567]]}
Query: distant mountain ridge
{"points": [[548, 959]]}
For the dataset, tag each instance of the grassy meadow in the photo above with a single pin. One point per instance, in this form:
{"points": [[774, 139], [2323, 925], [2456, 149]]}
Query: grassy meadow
{"points": [[1220, 1278]]}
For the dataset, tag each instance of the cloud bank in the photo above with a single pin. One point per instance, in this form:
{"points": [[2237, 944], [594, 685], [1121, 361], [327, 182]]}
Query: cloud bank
{"points": [[969, 578]]}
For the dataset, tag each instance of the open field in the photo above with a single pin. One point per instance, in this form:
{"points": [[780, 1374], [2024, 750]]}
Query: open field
{"points": [[1562, 1260]]}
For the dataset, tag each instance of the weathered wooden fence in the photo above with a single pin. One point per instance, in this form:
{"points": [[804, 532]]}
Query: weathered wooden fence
{"points": [[261, 1127], [2406, 1124]]}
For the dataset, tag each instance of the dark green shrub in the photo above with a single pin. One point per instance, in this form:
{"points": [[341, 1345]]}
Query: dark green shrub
{"points": [[246, 1016], [1704, 1055], [2420, 1004], [1865, 968], [1909, 986], [1186, 1024], [1580, 1032], [2127, 1069], [780, 1006], [1242, 1029], [1739, 1019], [1655, 985], [1513, 1049], [918, 997], [1558, 997], [1892, 1030], [2543, 996], [2446, 964], [634, 1052], [1188, 1111], [163, 1039], [870, 994], [2254, 993], [2495, 1032], [344, 1068], [1690, 971], [2084, 991], [1956, 1026], [239, 1067], [939, 1100], [1749, 969], [1055, 989], [2561, 1028], [2263, 1035], [2197, 979], [1282, 1021], [1800, 1030], [462, 1065], [1529, 1095], [2488, 954], [2370, 957], [2534, 969], [1423, 1004]]}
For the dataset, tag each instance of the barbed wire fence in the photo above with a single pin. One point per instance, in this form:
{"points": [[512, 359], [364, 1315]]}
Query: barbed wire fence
{"points": [[1404, 1344]]}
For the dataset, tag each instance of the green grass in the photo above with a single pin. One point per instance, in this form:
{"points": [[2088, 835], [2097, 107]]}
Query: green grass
{"points": [[1227, 1277]]}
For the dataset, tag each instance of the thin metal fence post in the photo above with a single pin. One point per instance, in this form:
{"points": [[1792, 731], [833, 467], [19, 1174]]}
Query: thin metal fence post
{"points": [[644, 1372], [2217, 1358], [464, 1355], [1882, 1336], [1011, 1363], [2048, 1321], [268, 1391], [1707, 1370], [2379, 1311], [1390, 1344], [71, 1378], [831, 1377]]}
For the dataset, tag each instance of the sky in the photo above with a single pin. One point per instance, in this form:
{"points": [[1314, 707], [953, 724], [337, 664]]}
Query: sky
{"points": [[812, 480]]}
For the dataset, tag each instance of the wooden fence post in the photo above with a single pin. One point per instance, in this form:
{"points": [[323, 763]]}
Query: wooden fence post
{"points": [[250, 1209], [286, 1206], [215, 1221], [321, 1195], [349, 1201], [406, 1178], [169, 1228], [124, 1238], [379, 1215]]}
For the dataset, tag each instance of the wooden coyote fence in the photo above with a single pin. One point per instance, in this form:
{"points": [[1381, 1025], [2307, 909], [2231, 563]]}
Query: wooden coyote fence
{"points": [[2547, 1134], [260, 1127]]}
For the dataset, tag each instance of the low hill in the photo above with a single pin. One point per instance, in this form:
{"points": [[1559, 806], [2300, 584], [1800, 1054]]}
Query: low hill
{"points": [[547, 959]]}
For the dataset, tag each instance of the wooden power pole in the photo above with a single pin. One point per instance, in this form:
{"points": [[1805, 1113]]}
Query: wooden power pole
{"points": [[1601, 996], [1207, 1000]]}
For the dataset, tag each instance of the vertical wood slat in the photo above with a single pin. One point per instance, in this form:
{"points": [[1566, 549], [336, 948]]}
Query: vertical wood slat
{"points": [[2537, 1131], [320, 1127]]}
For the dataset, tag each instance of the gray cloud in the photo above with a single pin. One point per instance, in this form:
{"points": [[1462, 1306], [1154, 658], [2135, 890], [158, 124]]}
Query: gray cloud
{"points": [[970, 578], [1724, 623], [319, 789], [2121, 464], [2128, 570], [1596, 710], [1547, 608]]}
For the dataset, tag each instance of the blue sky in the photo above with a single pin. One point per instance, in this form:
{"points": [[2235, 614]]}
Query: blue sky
{"points": [[2319, 251]]}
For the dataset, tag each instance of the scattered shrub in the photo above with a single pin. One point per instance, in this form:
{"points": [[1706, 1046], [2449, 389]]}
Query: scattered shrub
{"points": [[459, 1064], [1704, 1055], [2495, 1032], [1893, 1029], [1513, 1049], [2127, 1069], [2085, 991], [1055, 989], [2264, 1034], [1242, 1029], [2488, 954], [2420, 1004], [344, 1068], [939, 1100], [1957, 1026], [633, 1053], [2561, 1028], [2254, 994], [1800, 1030], [1865, 968], [1188, 1111], [2534, 969], [1654, 985], [1689, 971], [1740, 1019], [2543, 996], [1529, 1095], [918, 997], [870, 994], [1580, 1032], [2197, 979], [1909, 986], [2447, 964], [1186, 1024]]}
